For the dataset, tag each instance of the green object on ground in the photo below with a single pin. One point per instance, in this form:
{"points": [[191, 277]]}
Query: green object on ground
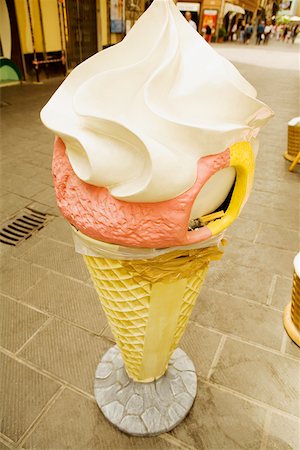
{"points": [[9, 71]]}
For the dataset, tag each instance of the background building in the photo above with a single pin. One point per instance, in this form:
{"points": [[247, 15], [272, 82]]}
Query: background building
{"points": [[42, 38]]}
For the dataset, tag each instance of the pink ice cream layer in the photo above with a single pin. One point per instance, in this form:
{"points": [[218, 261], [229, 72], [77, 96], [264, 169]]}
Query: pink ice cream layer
{"points": [[94, 212]]}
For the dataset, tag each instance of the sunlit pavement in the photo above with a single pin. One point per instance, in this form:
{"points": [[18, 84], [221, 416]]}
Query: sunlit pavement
{"points": [[53, 331], [274, 55]]}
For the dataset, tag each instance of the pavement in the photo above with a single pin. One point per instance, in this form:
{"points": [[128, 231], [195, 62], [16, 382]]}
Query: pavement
{"points": [[275, 55], [54, 332]]}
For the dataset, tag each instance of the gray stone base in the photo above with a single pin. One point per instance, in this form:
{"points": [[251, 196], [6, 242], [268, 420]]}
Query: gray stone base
{"points": [[145, 409]]}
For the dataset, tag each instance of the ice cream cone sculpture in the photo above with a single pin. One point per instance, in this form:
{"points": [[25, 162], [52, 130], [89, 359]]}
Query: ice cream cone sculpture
{"points": [[148, 304], [153, 160], [291, 315]]}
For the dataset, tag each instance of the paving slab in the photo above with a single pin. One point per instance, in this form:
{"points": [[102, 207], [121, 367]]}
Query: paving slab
{"points": [[230, 278], [243, 229], [214, 423], [24, 393], [292, 348], [4, 446], [17, 276], [11, 204], [267, 199], [201, 345], [17, 323], [262, 375], [284, 434], [68, 299], [58, 229], [229, 314], [86, 428], [268, 259], [67, 352], [274, 236], [18, 184], [46, 196], [282, 292], [285, 218], [58, 257]]}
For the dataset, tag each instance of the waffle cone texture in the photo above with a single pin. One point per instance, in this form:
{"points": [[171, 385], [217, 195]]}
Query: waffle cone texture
{"points": [[148, 304]]}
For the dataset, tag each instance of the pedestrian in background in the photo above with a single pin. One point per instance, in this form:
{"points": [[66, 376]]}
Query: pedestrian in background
{"points": [[188, 16], [207, 35], [278, 32], [294, 33], [288, 36], [242, 33], [267, 32], [248, 33], [233, 33], [284, 34], [259, 33]]}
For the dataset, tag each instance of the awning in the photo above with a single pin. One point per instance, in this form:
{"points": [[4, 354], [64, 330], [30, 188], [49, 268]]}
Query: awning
{"points": [[229, 7]]}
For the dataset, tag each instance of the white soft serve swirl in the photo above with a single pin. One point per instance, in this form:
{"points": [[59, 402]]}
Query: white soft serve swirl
{"points": [[137, 117]]}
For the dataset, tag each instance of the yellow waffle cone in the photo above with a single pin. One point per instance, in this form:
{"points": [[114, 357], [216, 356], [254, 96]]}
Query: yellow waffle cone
{"points": [[148, 304]]}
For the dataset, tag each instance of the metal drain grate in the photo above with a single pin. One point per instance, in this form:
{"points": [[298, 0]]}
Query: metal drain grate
{"points": [[23, 226]]}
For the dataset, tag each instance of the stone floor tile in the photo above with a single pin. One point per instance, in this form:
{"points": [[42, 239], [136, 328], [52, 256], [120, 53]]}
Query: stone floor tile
{"points": [[24, 394], [243, 229], [75, 422], [278, 170], [221, 421], [11, 204], [46, 196], [17, 276], [282, 294], [58, 229], [38, 174], [18, 184], [19, 250], [38, 159], [249, 282], [59, 257], [260, 374], [45, 143], [267, 199], [3, 191], [278, 237], [107, 333], [67, 352], [200, 345], [284, 434], [263, 257], [68, 299], [274, 185], [17, 323], [292, 348], [285, 218], [229, 314], [4, 446], [54, 210]]}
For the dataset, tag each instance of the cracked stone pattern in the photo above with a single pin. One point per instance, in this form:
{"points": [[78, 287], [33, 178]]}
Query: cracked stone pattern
{"points": [[145, 409]]}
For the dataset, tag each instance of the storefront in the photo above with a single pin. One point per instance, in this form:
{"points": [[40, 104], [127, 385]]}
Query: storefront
{"points": [[232, 15], [209, 19]]}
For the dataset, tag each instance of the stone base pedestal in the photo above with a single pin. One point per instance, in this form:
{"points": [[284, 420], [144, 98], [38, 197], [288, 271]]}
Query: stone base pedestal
{"points": [[145, 409]]}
